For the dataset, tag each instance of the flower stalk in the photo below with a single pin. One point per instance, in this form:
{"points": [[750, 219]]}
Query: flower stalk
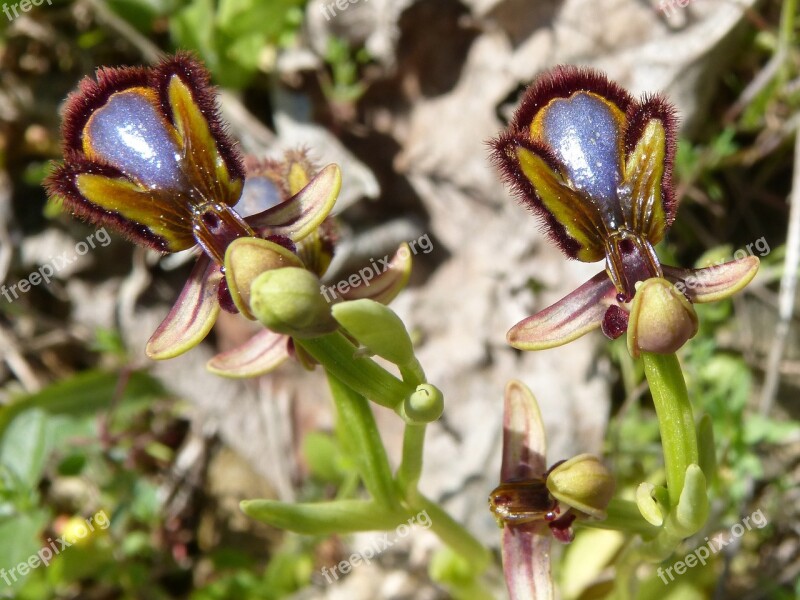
{"points": [[675, 420]]}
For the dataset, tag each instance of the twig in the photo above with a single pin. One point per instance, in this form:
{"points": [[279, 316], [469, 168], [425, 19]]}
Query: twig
{"points": [[10, 353], [788, 289]]}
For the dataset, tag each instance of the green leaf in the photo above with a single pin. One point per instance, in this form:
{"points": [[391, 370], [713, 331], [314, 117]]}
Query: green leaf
{"points": [[242, 17], [324, 518], [82, 394], [761, 429], [24, 448], [20, 537]]}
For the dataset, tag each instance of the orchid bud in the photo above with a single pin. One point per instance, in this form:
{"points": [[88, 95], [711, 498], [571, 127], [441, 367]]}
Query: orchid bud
{"points": [[661, 320], [425, 405], [288, 301], [582, 483], [245, 260]]}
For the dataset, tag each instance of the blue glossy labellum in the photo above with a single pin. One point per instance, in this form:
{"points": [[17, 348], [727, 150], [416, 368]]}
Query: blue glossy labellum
{"points": [[595, 165], [146, 153]]}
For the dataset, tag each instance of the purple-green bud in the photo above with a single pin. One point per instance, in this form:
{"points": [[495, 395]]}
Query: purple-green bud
{"points": [[288, 301], [582, 483], [661, 319]]}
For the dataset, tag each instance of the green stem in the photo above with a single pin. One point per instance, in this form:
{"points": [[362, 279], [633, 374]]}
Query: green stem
{"points": [[412, 372], [453, 534], [623, 515], [362, 375], [675, 420], [361, 434], [410, 469]]}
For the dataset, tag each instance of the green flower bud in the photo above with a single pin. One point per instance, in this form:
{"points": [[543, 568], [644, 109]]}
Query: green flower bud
{"points": [[245, 259], [425, 405], [661, 319], [288, 301], [582, 483], [376, 327]]}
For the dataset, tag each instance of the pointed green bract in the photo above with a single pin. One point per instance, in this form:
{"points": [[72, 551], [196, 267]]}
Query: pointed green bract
{"points": [[692, 511]]}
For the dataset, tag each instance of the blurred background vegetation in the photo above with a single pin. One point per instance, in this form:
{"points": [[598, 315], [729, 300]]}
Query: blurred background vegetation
{"points": [[86, 424]]}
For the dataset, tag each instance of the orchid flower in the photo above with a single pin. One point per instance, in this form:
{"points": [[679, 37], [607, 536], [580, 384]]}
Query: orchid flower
{"points": [[595, 165], [147, 154], [534, 504]]}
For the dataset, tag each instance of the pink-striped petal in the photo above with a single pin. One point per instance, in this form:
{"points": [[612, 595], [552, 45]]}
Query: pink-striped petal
{"points": [[192, 316], [526, 562], [713, 283], [526, 547], [524, 441], [305, 211], [574, 315], [261, 354], [386, 285]]}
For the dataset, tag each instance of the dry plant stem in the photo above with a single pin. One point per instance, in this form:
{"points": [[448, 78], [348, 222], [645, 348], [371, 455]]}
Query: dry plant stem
{"points": [[788, 290]]}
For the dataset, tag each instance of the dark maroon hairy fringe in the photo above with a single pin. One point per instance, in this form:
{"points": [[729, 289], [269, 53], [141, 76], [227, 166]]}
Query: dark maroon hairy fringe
{"points": [[61, 183], [186, 66], [92, 94], [561, 82], [639, 114], [504, 157]]}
